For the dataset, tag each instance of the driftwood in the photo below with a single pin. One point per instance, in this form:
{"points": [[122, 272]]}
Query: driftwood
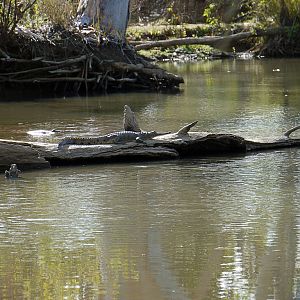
{"points": [[169, 146], [129, 120], [183, 143], [21, 154], [214, 41]]}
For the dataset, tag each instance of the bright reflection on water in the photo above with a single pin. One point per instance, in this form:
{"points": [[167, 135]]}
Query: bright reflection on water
{"points": [[211, 228]]}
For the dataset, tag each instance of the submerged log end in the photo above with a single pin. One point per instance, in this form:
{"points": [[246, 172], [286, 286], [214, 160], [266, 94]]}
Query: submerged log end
{"points": [[290, 131], [25, 157]]}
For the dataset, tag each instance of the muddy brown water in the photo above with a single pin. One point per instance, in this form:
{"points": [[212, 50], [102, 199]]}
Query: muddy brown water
{"points": [[209, 228]]}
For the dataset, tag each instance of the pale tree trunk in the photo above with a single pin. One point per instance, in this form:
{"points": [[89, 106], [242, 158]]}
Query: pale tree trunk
{"points": [[110, 15]]}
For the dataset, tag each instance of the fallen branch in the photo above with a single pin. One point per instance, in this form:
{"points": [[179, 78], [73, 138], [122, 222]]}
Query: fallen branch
{"points": [[214, 41], [153, 73], [45, 80], [62, 71], [67, 61], [43, 69], [20, 60], [122, 80], [4, 54], [289, 132]]}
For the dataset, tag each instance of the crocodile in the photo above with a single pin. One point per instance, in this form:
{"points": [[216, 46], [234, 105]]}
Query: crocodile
{"points": [[119, 137]]}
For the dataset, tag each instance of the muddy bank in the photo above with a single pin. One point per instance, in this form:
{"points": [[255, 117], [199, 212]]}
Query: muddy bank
{"points": [[76, 62]]}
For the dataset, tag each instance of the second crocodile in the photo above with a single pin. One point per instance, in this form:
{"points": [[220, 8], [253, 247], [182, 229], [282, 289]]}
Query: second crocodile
{"points": [[119, 137]]}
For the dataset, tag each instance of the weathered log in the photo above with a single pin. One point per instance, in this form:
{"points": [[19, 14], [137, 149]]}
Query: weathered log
{"points": [[85, 153], [271, 144], [47, 80], [290, 131], [214, 41], [154, 73], [107, 153], [197, 144], [129, 120], [22, 155], [169, 146]]}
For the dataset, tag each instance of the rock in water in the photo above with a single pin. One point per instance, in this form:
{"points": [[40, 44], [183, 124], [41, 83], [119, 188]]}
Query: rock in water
{"points": [[13, 172]]}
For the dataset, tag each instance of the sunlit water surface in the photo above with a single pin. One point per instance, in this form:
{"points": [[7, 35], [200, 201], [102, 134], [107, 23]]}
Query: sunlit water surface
{"points": [[210, 228]]}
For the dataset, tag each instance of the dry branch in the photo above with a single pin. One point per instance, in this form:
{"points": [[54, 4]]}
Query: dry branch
{"points": [[45, 80], [289, 132], [69, 61], [61, 71], [4, 54], [214, 41]]}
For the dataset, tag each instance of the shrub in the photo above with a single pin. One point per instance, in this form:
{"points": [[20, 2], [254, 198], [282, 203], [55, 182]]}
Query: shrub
{"points": [[58, 12], [280, 12], [11, 14]]}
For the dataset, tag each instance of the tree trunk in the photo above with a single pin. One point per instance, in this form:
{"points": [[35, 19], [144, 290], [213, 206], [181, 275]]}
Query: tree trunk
{"points": [[221, 42], [110, 15]]}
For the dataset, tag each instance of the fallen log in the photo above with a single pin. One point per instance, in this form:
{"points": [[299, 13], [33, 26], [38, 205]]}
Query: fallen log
{"points": [[21, 154], [134, 145], [214, 41], [198, 144], [46, 154], [169, 146]]}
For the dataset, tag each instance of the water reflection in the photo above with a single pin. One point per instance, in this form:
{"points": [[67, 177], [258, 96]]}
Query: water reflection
{"points": [[211, 228]]}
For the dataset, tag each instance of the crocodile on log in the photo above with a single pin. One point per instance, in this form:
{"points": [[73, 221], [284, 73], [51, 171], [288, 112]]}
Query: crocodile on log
{"points": [[134, 144], [119, 137], [131, 133]]}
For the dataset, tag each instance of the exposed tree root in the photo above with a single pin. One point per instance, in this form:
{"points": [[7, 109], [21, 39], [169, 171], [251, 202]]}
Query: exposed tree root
{"points": [[75, 58]]}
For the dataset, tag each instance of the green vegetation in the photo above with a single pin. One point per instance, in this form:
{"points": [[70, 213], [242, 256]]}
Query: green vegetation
{"points": [[169, 19], [33, 14], [283, 12], [12, 13], [221, 17]]}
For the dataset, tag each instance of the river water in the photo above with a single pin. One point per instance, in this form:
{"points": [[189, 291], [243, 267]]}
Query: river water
{"points": [[209, 228]]}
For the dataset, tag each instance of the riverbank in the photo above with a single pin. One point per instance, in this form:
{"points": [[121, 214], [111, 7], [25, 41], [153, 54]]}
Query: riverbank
{"points": [[81, 62], [76, 62], [137, 34], [272, 42]]}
